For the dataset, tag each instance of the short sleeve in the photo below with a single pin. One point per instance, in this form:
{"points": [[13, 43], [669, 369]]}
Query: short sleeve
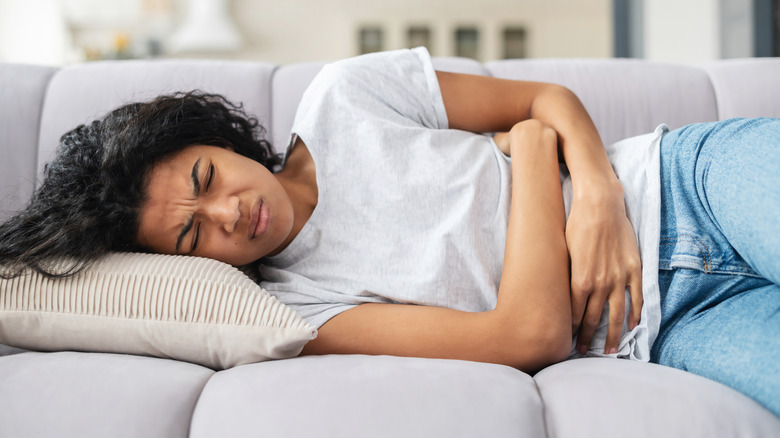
{"points": [[396, 87]]}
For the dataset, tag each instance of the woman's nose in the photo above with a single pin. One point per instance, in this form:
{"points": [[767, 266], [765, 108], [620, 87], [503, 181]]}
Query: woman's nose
{"points": [[223, 212]]}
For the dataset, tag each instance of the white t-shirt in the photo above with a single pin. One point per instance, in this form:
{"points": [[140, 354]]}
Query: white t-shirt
{"points": [[410, 211]]}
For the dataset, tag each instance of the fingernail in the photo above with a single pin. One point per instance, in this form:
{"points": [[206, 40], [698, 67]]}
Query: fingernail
{"points": [[612, 350], [582, 349]]}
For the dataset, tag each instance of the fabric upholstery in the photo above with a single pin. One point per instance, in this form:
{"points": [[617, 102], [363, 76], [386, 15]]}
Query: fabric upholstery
{"points": [[624, 97], [89, 394], [288, 84], [97, 395], [377, 396], [6, 350], [85, 92], [192, 309], [22, 91], [746, 87], [460, 65], [621, 398]]}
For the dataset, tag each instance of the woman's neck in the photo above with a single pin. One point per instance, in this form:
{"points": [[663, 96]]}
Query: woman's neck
{"points": [[299, 180]]}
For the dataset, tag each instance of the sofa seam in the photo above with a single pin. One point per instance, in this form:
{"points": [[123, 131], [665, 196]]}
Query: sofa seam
{"points": [[197, 402], [269, 128], [38, 129], [543, 408], [714, 88]]}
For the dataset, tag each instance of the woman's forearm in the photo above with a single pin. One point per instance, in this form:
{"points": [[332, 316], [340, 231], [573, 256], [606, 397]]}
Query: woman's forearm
{"points": [[530, 326], [580, 145], [534, 285]]}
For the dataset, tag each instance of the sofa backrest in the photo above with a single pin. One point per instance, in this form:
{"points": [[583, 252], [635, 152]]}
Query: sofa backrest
{"points": [[624, 97], [22, 92]]}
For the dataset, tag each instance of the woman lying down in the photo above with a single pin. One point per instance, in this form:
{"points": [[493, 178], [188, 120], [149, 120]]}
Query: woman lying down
{"points": [[395, 227]]}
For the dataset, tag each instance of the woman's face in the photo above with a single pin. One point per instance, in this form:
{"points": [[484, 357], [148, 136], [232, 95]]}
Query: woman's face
{"points": [[212, 202]]}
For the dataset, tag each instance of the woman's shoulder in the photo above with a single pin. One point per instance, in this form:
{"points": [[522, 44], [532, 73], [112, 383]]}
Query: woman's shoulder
{"points": [[367, 72]]}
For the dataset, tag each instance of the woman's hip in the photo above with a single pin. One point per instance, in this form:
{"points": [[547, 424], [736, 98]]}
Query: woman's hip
{"points": [[720, 198]]}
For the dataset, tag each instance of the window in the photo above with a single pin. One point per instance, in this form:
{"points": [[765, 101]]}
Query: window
{"points": [[370, 39], [467, 42], [776, 27], [766, 21], [628, 28], [419, 36], [514, 43]]}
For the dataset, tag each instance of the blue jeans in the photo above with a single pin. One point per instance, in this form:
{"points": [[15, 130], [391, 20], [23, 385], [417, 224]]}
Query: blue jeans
{"points": [[719, 255]]}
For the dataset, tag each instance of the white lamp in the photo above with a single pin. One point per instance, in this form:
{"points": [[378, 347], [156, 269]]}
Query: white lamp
{"points": [[207, 27]]}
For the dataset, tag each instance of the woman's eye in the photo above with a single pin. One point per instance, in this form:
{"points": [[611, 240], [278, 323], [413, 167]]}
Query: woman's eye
{"points": [[196, 238], [210, 177]]}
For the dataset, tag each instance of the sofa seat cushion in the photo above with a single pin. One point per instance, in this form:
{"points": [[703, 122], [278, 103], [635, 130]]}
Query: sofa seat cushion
{"points": [[86, 395], [599, 397], [377, 396]]}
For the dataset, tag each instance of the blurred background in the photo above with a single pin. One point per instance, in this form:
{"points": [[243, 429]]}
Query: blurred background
{"points": [[63, 32]]}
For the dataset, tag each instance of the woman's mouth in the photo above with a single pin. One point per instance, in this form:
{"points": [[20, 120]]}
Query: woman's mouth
{"points": [[261, 216]]}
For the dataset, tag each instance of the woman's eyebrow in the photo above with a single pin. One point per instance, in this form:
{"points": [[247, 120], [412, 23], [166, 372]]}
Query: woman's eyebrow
{"points": [[195, 181], [195, 192]]}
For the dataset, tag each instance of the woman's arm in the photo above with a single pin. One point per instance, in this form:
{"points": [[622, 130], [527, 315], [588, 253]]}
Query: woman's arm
{"points": [[531, 324], [600, 238]]}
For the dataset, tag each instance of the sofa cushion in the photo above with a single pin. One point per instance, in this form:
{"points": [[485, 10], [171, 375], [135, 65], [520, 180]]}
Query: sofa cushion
{"points": [[85, 92], [746, 87], [289, 83], [97, 395], [603, 398], [187, 308], [377, 396], [624, 97], [7, 351], [459, 65], [21, 100]]}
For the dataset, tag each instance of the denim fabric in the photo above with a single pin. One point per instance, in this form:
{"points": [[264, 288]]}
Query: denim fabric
{"points": [[719, 255]]}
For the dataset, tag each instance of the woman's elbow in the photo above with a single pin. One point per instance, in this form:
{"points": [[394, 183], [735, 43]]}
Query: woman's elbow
{"points": [[559, 345], [552, 348], [540, 347]]}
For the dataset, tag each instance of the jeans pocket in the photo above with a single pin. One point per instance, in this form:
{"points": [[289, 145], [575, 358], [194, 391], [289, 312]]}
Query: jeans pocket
{"points": [[701, 252]]}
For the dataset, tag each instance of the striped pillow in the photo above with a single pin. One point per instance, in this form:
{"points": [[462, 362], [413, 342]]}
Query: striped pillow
{"points": [[185, 308]]}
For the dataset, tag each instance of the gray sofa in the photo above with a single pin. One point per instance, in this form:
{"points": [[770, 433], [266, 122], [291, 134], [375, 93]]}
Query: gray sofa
{"points": [[73, 394]]}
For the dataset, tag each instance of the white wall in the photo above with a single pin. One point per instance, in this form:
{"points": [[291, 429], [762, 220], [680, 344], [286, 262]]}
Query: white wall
{"points": [[33, 32], [736, 22], [285, 31], [685, 31]]}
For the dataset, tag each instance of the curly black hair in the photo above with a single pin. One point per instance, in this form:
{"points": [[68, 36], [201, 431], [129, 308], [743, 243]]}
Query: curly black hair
{"points": [[89, 201]]}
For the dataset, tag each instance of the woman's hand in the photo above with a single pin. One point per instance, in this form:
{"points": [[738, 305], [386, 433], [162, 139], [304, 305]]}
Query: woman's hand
{"points": [[604, 261], [600, 239]]}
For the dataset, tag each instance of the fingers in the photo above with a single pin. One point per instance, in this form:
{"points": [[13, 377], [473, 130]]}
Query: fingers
{"points": [[637, 300], [589, 323], [579, 299], [617, 314]]}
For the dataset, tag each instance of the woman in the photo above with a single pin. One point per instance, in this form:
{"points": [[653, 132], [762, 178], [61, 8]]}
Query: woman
{"points": [[377, 206]]}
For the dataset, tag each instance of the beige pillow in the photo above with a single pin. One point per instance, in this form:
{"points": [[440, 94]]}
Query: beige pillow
{"points": [[186, 308]]}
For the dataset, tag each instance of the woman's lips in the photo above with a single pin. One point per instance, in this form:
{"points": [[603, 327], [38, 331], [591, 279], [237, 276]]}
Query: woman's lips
{"points": [[261, 216]]}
